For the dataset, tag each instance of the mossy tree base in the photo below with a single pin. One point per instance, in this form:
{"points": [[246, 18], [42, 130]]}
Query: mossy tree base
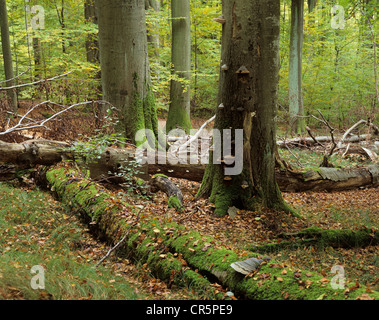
{"points": [[172, 252], [236, 192]]}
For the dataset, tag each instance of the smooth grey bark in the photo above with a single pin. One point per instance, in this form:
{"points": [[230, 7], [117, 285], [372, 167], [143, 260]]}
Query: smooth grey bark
{"points": [[37, 53], [179, 110], [7, 54], [153, 38], [125, 71], [247, 99], [92, 44], [311, 5], [296, 107]]}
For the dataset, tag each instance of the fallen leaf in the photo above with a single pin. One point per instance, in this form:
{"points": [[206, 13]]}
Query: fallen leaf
{"points": [[321, 297], [365, 296]]}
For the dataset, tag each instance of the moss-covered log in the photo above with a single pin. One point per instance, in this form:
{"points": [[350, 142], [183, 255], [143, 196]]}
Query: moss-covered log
{"points": [[344, 238], [173, 252], [144, 243], [315, 236]]}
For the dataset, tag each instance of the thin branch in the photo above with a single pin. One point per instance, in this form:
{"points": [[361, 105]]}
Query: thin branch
{"points": [[16, 76], [123, 238], [313, 138], [38, 124], [331, 130], [296, 157], [349, 130], [195, 136], [36, 82]]}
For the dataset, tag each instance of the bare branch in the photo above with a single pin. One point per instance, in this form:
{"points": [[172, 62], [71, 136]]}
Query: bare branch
{"points": [[41, 123], [123, 238], [36, 82], [4, 81]]}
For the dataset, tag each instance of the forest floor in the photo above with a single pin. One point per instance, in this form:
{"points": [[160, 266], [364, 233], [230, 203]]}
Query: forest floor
{"points": [[351, 209]]}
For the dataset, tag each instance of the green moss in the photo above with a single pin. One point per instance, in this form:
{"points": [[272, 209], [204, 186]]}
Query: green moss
{"points": [[150, 112], [178, 118], [343, 237], [173, 202], [199, 251], [160, 175]]}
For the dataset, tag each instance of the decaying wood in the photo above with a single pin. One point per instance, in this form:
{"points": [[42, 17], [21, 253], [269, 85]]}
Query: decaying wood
{"points": [[367, 153], [27, 155], [304, 141], [315, 236], [164, 184], [33, 152], [178, 246]]}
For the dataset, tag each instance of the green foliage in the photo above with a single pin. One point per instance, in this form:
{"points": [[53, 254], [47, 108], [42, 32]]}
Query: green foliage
{"points": [[61, 49], [338, 64], [206, 45]]}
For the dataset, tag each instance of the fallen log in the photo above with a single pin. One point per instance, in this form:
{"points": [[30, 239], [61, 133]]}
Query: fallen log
{"points": [[174, 252], [315, 236], [33, 152], [175, 196], [328, 179], [28, 154]]}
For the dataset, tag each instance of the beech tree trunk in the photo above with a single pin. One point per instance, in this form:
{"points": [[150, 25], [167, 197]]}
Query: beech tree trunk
{"points": [[179, 111], [124, 63], [7, 54], [311, 5], [296, 107], [92, 43], [247, 100]]}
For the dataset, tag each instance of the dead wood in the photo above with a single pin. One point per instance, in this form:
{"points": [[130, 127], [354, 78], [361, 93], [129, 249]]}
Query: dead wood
{"points": [[27, 155], [337, 238]]}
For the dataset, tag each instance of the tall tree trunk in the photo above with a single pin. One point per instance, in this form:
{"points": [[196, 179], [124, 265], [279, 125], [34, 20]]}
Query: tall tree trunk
{"points": [[124, 63], [37, 58], [7, 54], [179, 111], [296, 106], [247, 100], [153, 37], [311, 5], [92, 43]]}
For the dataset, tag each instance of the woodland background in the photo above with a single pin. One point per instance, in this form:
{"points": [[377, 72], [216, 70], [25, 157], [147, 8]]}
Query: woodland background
{"points": [[338, 64]]}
